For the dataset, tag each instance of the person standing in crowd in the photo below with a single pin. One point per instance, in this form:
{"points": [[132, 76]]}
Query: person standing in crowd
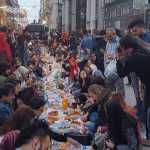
{"points": [[87, 41], [123, 130], [134, 57], [65, 38], [111, 53], [22, 39], [99, 48], [5, 51], [53, 45], [72, 42], [136, 28], [112, 44], [100, 42], [12, 42]]}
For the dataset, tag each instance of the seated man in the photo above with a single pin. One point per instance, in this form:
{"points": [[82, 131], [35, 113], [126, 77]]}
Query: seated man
{"points": [[34, 137], [4, 72], [37, 136], [6, 95]]}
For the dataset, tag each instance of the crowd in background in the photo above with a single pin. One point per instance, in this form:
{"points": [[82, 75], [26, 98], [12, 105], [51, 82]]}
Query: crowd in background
{"points": [[93, 66]]}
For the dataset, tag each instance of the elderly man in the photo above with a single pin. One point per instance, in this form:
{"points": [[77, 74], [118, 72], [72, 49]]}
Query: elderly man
{"points": [[112, 44], [111, 53]]}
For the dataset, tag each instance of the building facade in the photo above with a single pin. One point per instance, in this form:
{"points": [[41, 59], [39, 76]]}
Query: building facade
{"points": [[95, 14], [51, 13], [9, 12], [74, 15], [118, 13], [64, 15]]}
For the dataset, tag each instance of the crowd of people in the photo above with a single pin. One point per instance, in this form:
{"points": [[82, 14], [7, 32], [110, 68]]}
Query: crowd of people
{"points": [[93, 67]]}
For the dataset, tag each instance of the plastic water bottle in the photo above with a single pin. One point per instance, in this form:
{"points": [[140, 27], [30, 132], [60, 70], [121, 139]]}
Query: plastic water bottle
{"points": [[84, 147]]}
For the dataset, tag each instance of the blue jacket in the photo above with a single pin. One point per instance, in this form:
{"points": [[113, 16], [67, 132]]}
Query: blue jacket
{"points": [[87, 43], [146, 37], [5, 111]]}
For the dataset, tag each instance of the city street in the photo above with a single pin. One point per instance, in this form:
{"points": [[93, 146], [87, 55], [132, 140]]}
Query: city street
{"points": [[67, 72]]}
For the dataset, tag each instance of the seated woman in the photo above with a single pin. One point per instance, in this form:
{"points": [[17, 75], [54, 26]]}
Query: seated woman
{"points": [[84, 83], [95, 115], [96, 76], [123, 128], [74, 68], [94, 59]]}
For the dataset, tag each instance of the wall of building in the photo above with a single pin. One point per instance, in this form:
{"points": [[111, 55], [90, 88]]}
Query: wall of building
{"points": [[50, 12], [119, 13], [100, 15], [71, 15], [9, 12], [95, 14]]}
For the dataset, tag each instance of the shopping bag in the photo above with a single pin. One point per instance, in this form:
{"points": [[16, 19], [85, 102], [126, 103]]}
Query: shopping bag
{"points": [[111, 72], [98, 142]]}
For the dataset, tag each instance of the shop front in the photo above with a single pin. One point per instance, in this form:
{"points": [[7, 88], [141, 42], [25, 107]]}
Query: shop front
{"points": [[118, 14]]}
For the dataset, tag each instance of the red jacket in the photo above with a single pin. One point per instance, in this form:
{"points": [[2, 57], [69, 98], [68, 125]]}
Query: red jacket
{"points": [[5, 47], [74, 69]]}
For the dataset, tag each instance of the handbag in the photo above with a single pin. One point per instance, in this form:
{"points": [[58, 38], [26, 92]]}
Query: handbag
{"points": [[98, 142]]}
